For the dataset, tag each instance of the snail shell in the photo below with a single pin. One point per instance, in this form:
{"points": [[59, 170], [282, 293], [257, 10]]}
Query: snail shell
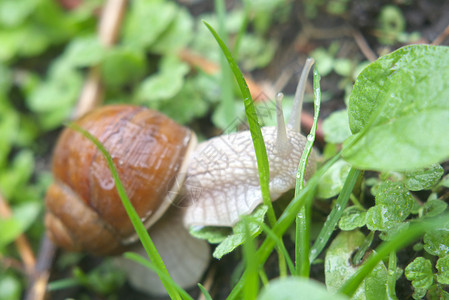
{"points": [[84, 211]]}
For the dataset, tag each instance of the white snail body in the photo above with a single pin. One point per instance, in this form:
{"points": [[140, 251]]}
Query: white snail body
{"points": [[218, 179]]}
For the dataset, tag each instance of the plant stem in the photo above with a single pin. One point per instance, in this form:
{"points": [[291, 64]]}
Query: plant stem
{"points": [[391, 279]]}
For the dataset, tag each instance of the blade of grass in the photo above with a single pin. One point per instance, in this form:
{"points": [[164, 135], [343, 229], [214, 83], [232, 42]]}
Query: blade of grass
{"points": [[335, 215], [133, 216], [227, 99], [398, 241], [140, 260], [62, 284], [254, 127], [284, 222], [251, 266], [302, 242], [279, 243], [392, 275], [206, 294]]}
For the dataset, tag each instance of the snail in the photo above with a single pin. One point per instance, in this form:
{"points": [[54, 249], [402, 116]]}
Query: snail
{"points": [[157, 160]]}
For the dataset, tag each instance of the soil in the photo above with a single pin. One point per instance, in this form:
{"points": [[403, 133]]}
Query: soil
{"points": [[356, 33]]}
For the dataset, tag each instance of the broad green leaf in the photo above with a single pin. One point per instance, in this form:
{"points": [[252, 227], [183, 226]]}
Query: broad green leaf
{"points": [[55, 93], [437, 291], [393, 205], [333, 180], [434, 207], [255, 52], [445, 181], [353, 217], [406, 92], [166, 83], [338, 267], [443, 270], [146, 22], [189, 104], [27, 213], [10, 287], [239, 235], [10, 229], [19, 172], [213, 235], [293, 288], [423, 179], [176, 37], [13, 13], [84, 52], [436, 242], [419, 272], [336, 127], [122, 66]]}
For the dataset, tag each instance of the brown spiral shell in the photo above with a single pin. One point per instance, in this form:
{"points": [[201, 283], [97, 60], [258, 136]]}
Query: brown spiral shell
{"points": [[84, 211]]}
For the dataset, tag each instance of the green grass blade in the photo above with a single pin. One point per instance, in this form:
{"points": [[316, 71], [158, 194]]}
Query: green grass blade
{"points": [[140, 260], [226, 84], [302, 242], [284, 221], [251, 265], [279, 243], [133, 216], [254, 127], [205, 293], [335, 215]]}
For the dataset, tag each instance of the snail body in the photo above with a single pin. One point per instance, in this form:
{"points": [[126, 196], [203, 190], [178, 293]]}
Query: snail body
{"points": [[157, 160]]}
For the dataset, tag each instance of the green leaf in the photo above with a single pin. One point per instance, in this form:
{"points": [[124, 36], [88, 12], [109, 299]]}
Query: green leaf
{"points": [[240, 233], [434, 207], [437, 291], [213, 235], [10, 229], [403, 97], [146, 21], [333, 180], [27, 213], [289, 288], [436, 242], [336, 127], [255, 52], [423, 179], [165, 84], [419, 272], [445, 181], [443, 270], [353, 217], [10, 287], [176, 36], [122, 66], [338, 267], [18, 174], [393, 205], [189, 104], [84, 52]]}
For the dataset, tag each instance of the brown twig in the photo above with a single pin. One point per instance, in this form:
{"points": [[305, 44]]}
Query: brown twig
{"points": [[441, 37], [363, 45], [22, 244], [38, 285]]}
